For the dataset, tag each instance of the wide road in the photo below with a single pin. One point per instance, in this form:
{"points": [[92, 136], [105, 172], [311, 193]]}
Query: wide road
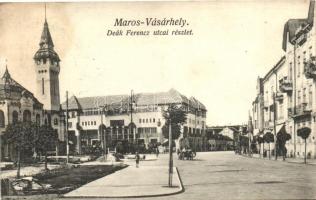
{"points": [[224, 175]]}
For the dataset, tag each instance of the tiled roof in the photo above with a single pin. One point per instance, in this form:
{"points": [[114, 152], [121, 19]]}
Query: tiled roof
{"points": [[10, 89], [141, 99]]}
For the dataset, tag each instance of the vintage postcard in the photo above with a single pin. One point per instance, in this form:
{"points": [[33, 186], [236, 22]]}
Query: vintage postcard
{"points": [[163, 100]]}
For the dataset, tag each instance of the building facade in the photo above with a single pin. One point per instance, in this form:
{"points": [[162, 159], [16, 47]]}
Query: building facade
{"points": [[136, 118], [286, 97]]}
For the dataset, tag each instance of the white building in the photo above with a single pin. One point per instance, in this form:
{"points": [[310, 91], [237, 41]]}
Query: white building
{"points": [[86, 117]]}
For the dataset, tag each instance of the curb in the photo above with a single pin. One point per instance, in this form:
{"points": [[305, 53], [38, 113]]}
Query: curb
{"points": [[286, 161], [139, 196]]}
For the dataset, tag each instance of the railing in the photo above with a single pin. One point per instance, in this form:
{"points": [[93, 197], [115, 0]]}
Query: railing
{"points": [[279, 97], [310, 68], [285, 85], [300, 110]]}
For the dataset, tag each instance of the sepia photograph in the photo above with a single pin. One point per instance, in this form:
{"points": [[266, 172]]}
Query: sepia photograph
{"points": [[180, 100]]}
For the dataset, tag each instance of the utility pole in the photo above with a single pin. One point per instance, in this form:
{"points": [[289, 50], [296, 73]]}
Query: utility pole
{"points": [[170, 155], [67, 136]]}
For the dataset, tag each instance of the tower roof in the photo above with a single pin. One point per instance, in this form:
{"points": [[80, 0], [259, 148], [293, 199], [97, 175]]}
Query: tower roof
{"points": [[46, 38], [46, 44]]}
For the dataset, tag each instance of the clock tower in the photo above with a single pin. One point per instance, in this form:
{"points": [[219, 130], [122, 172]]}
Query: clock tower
{"points": [[47, 72]]}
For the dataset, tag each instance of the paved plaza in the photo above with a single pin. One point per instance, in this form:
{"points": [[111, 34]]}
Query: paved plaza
{"points": [[224, 175]]}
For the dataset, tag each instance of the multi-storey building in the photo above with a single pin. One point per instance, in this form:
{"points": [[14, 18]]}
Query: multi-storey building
{"points": [[129, 118], [287, 97]]}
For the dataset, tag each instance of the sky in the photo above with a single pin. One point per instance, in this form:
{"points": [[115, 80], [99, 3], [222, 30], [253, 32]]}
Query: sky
{"points": [[233, 43]]}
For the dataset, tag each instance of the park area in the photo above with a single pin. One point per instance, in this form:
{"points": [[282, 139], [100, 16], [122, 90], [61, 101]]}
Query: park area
{"points": [[56, 181]]}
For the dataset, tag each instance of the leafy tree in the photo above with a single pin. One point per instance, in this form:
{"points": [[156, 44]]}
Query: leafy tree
{"points": [[46, 139], [268, 138], [177, 116], [282, 138], [21, 136], [304, 134]]}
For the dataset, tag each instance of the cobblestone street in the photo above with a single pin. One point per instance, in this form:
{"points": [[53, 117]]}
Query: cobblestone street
{"points": [[224, 175]]}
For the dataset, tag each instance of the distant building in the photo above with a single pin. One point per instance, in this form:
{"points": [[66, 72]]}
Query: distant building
{"points": [[223, 138], [87, 114]]}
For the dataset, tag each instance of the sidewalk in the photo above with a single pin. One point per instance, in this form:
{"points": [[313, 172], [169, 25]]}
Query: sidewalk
{"points": [[289, 160], [145, 181]]}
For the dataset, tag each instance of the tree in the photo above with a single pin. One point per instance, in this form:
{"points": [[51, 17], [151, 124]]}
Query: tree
{"points": [[21, 136], [304, 134], [268, 138], [177, 116], [282, 138], [46, 139]]}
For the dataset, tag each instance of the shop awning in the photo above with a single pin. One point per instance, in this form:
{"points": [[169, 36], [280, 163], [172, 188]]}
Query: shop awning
{"points": [[280, 128]]}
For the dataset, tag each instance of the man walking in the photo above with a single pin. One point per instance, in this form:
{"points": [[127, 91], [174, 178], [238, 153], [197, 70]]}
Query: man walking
{"points": [[137, 158]]}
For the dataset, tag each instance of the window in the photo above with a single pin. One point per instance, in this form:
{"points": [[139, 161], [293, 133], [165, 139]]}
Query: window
{"points": [[310, 96], [298, 97], [85, 123], [69, 124], [82, 123], [95, 123], [1, 118], [143, 120], [304, 56], [290, 72], [26, 116], [55, 121], [88, 123], [15, 117], [304, 95], [146, 120], [150, 120], [154, 120], [43, 88], [140, 121]]}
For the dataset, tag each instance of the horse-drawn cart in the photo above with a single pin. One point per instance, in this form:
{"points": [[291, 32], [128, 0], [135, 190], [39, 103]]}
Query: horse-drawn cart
{"points": [[186, 154]]}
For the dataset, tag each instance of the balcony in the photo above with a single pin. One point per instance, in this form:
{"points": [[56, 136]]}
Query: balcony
{"points": [[279, 97], [300, 111], [310, 68], [266, 104], [285, 85]]}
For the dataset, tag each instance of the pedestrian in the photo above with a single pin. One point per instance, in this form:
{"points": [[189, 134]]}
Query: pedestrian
{"points": [[157, 152], [137, 158]]}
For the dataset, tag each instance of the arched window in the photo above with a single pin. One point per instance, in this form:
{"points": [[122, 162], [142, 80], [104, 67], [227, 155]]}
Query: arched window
{"points": [[2, 118], [26, 116], [38, 119], [15, 117]]}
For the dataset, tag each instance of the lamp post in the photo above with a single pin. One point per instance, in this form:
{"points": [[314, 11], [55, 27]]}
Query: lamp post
{"points": [[67, 136]]}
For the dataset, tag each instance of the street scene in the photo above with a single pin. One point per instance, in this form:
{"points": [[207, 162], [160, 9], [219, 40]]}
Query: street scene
{"points": [[156, 100]]}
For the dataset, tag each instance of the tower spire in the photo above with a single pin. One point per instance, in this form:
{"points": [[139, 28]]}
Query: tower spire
{"points": [[45, 13]]}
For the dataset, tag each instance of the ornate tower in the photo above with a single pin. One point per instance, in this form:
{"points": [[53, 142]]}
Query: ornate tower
{"points": [[47, 72]]}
